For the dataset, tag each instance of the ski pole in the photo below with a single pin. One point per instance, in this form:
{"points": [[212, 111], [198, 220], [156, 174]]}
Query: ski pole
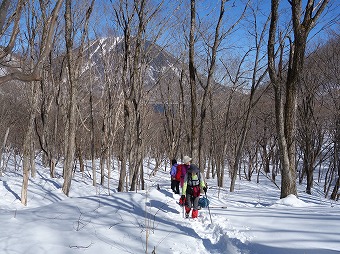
{"points": [[208, 207]]}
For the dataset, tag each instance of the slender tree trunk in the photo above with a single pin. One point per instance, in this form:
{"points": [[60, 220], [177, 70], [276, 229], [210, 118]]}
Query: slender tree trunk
{"points": [[207, 87], [336, 159], [93, 162], [2, 151], [123, 152], [27, 146], [193, 85], [32, 158], [72, 72], [71, 120]]}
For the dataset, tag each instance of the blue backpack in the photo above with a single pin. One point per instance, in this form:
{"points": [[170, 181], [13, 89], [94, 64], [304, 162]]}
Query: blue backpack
{"points": [[203, 202]]}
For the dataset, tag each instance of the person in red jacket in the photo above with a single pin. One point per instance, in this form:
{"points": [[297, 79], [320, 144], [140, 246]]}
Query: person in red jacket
{"points": [[191, 191]]}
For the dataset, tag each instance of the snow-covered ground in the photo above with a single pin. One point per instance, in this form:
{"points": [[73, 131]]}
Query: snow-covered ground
{"points": [[253, 219]]}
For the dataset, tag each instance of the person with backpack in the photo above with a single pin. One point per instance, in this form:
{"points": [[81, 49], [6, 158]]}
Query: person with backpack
{"points": [[184, 168], [175, 176], [191, 191]]}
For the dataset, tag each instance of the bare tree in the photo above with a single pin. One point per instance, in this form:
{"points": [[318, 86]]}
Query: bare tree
{"points": [[303, 21], [218, 37], [11, 22], [33, 30], [310, 133], [258, 73], [73, 72], [193, 84], [326, 60], [126, 15]]}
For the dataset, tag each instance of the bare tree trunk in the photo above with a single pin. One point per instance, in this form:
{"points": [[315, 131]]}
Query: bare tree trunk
{"points": [[286, 117], [53, 159], [93, 162], [123, 157], [134, 19], [72, 72], [336, 159], [207, 86], [126, 106], [32, 158], [335, 191], [255, 82], [27, 146], [2, 151], [71, 121], [193, 85]]}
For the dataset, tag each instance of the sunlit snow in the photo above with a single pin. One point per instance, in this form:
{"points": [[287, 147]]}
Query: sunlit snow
{"points": [[251, 220]]}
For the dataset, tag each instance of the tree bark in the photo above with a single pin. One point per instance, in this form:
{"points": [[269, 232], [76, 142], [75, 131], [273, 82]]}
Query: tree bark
{"points": [[286, 116], [193, 85]]}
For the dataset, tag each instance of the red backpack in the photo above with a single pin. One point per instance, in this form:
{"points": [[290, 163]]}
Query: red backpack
{"points": [[178, 172]]}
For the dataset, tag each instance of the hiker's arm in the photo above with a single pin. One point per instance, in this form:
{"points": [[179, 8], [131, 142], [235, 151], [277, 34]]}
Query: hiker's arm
{"points": [[202, 183], [185, 183], [184, 189]]}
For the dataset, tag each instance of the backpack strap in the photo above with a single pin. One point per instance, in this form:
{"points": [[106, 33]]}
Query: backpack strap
{"points": [[191, 181]]}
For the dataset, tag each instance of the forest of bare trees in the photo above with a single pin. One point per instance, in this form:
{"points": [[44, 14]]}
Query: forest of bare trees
{"points": [[244, 88]]}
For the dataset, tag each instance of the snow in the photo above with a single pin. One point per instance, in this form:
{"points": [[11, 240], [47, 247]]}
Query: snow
{"points": [[95, 220]]}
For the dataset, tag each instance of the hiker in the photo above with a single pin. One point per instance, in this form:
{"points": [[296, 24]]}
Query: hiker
{"points": [[193, 183], [175, 178], [184, 168]]}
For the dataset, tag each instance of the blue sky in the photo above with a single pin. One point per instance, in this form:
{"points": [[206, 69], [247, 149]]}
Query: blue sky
{"points": [[209, 9]]}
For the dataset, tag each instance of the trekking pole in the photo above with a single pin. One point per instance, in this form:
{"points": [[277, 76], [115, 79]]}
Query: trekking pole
{"points": [[183, 211], [208, 207], [183, 205]]}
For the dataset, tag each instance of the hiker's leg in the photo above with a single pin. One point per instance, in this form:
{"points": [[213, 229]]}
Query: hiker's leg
{"points": [[195, 208], [188, 204], [177, 187], [195, 203], [173, 185]]}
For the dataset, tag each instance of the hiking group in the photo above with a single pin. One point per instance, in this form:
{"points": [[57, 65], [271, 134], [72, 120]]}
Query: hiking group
{"points": [[188, 177]]}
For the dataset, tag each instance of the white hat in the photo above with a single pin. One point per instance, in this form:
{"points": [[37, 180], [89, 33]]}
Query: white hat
{"points": [[186, 159]]}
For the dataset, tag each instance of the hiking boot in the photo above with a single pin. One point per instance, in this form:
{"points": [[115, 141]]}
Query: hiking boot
{"points": [[194, 213]]}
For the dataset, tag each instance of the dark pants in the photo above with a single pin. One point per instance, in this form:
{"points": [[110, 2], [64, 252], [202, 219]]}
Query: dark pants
{"points": [[192, 202], [175, 186]]}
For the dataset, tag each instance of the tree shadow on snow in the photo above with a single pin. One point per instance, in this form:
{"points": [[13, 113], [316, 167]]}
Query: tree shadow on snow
{"points": [[164, 207], [166, 193], [10, 190]]}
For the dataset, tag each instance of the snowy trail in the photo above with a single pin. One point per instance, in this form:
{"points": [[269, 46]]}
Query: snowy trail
{"points": [[92, 220], [216, 236]]}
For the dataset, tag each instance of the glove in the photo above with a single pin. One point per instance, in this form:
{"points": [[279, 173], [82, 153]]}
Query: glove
{"points": [[205, 189], [183, 198]]}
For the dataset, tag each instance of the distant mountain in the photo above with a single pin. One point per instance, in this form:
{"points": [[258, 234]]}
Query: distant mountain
{"points": [[104, 51]]}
